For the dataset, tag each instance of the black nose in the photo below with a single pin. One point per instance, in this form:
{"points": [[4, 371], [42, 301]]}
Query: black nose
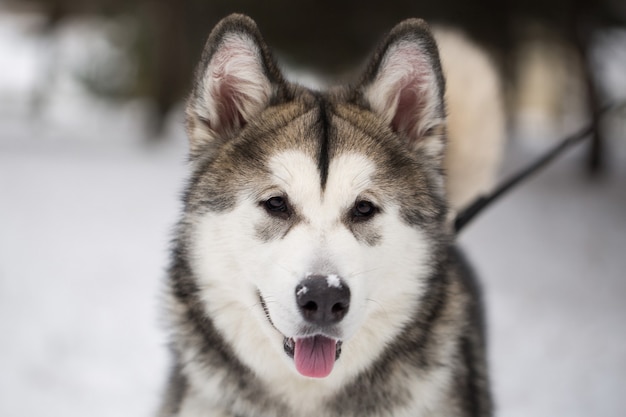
{"points": [[323, 300]]}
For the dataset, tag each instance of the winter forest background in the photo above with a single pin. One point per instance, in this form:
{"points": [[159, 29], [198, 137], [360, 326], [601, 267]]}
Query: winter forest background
{"points": [[92, 162]]}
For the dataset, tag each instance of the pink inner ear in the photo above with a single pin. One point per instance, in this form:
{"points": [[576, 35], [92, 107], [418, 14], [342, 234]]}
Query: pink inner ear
{"points": [[409, 109], [235, 87], [228, 102], [405, 91]]}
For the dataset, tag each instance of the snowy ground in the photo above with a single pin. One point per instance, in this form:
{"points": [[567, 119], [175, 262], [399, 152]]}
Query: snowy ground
{"points": [[551, 257], [85, 219], [83, 248]]}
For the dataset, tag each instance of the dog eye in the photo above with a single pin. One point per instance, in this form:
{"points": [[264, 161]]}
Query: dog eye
{"points": [[363, 210], [277, 206]]}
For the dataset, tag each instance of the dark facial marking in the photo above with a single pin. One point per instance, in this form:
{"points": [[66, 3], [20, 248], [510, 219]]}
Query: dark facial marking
{"points": [[323, 160], [363, 231], [275, 228]]}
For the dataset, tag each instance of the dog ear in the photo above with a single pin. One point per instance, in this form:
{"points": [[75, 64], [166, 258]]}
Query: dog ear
{"points": [[404, 85], [236, 79]]}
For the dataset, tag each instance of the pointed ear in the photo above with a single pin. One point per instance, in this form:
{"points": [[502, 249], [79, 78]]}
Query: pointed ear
{"points": [[236, 79], [404, 85]]}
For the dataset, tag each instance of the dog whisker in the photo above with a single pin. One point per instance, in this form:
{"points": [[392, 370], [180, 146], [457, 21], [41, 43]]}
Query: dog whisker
{"points": [[365, 271], [380, 305]]}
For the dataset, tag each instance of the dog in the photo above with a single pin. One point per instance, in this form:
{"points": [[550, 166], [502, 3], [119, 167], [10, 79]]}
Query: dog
{"points": [[314, 271]]}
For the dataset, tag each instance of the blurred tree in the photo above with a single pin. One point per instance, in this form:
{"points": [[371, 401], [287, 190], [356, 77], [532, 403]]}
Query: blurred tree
{"points": [[329, 36]]}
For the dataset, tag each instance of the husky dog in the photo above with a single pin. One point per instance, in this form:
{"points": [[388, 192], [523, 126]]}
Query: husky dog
{"points": [[314, 272]]}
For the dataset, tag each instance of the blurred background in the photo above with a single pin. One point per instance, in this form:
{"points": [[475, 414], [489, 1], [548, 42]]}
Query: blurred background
{"points": [[92, 162]]}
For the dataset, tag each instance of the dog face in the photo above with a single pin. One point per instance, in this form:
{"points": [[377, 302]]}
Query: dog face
{"points": [[314, 216]]}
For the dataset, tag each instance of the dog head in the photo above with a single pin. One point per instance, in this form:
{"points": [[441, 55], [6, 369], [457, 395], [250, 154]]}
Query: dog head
{"points": [[314, 216]]}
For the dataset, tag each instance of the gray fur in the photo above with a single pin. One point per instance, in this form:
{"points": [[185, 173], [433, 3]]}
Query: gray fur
{"points": [[324, 126]]}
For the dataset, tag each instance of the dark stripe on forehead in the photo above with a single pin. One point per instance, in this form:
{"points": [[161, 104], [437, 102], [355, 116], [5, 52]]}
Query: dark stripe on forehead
{"points": [[323, 159]]}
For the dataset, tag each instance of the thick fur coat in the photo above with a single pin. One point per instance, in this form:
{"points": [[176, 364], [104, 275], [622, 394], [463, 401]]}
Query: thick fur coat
{"points": [[314, 271]]}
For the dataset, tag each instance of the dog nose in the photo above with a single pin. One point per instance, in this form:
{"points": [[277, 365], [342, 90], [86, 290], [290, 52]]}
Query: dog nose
{"points": [[323, 299]]}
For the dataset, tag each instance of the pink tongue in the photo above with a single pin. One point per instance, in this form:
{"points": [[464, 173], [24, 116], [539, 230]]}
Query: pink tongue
{"points": [[315, 356]]}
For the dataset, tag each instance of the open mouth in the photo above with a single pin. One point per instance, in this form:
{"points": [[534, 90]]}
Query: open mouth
{"points": [[314, 356]]}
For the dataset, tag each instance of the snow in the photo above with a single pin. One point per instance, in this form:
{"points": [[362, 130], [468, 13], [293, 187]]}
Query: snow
{"points": [[552, 262], [83, 249], [333, 281], [86, 216], [82, 255]]}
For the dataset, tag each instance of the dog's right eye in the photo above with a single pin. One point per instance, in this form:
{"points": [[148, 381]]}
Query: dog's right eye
{"points": [[277, 206]]}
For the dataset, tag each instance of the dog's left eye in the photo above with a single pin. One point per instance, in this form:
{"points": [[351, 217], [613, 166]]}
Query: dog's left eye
{"points": [[363, 210]]}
